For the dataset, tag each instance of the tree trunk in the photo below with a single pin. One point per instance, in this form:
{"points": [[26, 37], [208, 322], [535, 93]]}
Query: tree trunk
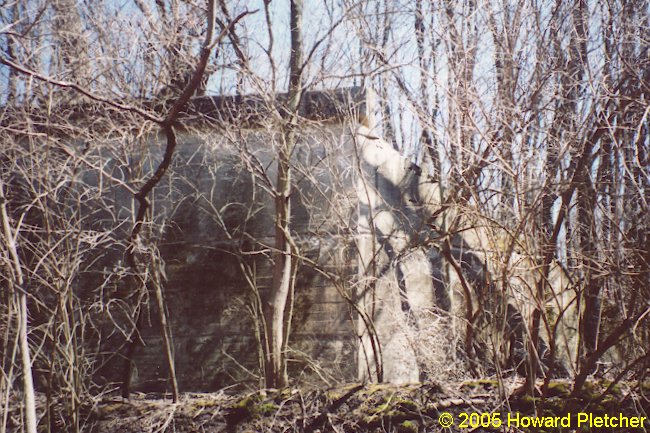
{"points": [[277, 331], [275, 369], [20, 297]]}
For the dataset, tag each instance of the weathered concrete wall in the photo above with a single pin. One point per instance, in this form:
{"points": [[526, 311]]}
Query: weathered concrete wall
{"points": [[361, 218], [397, 277], [212, 220], [211, 209], [408, 276]]}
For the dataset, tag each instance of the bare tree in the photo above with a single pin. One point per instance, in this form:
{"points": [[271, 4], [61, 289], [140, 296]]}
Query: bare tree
{"points": [[525, 127], [19, 302], [275, 312], [527, 121], [50, 239]]}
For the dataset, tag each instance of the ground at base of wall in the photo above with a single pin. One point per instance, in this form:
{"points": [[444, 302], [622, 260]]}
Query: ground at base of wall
{"points": [[476, 406]]}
